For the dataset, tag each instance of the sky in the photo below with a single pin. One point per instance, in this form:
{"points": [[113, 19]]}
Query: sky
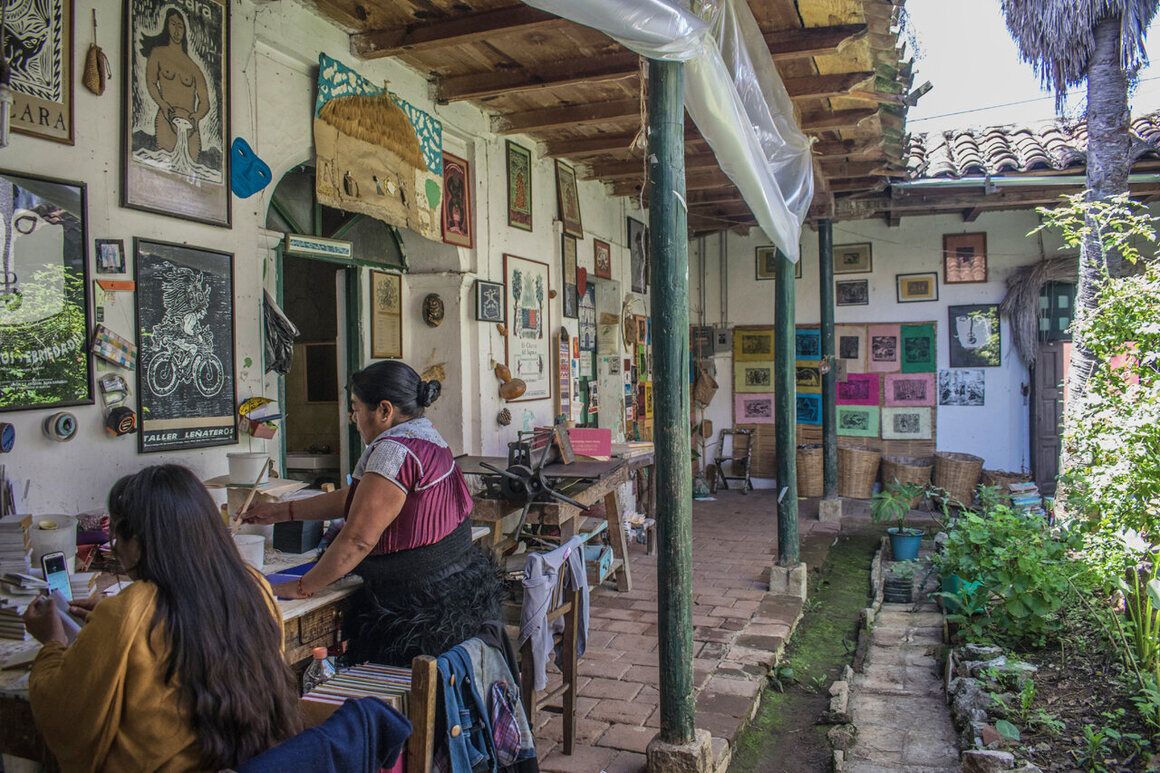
{"points": [[963, 48]]}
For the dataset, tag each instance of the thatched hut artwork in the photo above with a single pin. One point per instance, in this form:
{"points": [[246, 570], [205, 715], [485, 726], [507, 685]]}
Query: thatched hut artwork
{"points": [[376, 154]]}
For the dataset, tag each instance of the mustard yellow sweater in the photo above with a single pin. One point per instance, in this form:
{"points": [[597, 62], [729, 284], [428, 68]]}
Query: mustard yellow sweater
{"points": [[102, 703]]}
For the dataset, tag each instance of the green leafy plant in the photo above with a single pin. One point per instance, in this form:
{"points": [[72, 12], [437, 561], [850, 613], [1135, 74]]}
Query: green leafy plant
{"points": [[892, 503], [1009, 732], [904, 570], [1096, 749]]}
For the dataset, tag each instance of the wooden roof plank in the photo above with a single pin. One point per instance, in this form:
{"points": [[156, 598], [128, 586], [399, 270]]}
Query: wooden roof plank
{"points": [[565, 116], [541, 76], [826, 86], [453, 31]]}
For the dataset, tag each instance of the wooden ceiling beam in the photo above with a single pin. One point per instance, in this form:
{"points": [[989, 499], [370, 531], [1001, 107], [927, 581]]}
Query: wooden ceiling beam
{"points": [[836, 121], [812, 41], [827, 86], [845, 169], [601, 144], [858, 184], [592, 69], [842, 149], [617, 170], [452, 31], [566, 116]]}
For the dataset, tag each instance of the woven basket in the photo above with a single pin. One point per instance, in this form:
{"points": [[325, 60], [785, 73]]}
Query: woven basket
{"points": [[810, 475], [1002, 478], [857, 471], [906, 469], [705, 388], [958, 474]]}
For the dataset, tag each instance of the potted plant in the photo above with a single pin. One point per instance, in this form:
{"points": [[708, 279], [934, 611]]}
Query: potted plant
{"points": [[892, 503], [899, 582]]}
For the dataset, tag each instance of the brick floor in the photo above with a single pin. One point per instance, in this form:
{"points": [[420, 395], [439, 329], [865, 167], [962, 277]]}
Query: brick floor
{"points": [[739, 629]]}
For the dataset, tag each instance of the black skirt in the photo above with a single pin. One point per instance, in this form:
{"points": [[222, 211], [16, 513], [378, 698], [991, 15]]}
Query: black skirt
{"points": [[422, 601]]}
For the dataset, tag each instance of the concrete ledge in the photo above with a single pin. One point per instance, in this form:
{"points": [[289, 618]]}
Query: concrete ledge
{"points": [[693, 757], [830, 510], [788, 581]]}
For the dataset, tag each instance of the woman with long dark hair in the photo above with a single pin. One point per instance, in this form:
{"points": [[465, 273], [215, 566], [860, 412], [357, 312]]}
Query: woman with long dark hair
{"points": [[426, 587], [181, 670]]}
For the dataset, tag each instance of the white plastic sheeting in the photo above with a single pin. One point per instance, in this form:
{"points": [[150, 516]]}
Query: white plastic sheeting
{"points": [[732, 91]]}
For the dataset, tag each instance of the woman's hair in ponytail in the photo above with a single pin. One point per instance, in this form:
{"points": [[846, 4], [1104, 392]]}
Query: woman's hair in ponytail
{"points": [[397, 383]]}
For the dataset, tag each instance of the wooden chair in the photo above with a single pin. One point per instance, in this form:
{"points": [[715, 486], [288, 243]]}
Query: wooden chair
{"points": [[736, 454], [565, 603]]}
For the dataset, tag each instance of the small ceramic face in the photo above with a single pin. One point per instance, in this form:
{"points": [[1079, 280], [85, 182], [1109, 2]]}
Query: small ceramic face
{"points": [[433, 310]]}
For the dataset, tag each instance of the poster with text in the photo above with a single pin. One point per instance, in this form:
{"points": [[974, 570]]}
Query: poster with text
{"points": [[38, 46], [185, 331], [529, 346]]}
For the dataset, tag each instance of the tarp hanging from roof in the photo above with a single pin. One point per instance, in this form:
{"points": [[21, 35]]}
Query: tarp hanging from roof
{"points": [[732, 91]]}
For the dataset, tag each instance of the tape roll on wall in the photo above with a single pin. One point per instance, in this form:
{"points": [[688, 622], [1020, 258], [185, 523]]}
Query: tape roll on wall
{"points": [[61, 427]]}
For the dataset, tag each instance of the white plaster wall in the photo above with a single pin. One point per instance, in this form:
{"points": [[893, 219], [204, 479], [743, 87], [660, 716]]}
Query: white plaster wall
{"points": [[997, 431], [274, 50]]}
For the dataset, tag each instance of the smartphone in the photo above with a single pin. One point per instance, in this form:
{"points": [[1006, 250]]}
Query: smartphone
{"points": [[56, 574]]}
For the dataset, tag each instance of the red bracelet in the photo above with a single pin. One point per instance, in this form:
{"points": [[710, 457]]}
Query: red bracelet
{"points": [[290, 509], [302, 592]]}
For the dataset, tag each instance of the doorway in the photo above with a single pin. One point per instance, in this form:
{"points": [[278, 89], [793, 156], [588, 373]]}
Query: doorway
{"points": [[1048, 381]]}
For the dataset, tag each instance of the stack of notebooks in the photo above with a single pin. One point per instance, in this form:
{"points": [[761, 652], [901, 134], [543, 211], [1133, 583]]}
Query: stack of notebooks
{"points": [[1025, 497], [15, 548], [387, 683], [17, 591]]}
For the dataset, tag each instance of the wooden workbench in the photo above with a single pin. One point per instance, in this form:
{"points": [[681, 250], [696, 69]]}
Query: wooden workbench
{"points": [[587, 482]]}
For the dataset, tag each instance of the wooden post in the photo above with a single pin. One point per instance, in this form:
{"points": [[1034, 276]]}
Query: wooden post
{"points": [[669, 246], [785, 413], [829, 377]]}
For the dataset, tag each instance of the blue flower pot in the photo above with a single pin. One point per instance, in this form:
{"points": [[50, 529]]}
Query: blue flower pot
{"points": [[953, 584], [904, 543]]}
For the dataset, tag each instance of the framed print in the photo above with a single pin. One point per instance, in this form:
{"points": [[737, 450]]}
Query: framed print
{"points": [[638, 255], [185, 331], [519, 174], [44, 310], [489, 301], [386, 315], [852, 292], [917, 347], [752, 377], [766, 263], [39, 49], [858, 389], [458, 209], [753, 409], [568, 257], [858, 420], [587, 321], [602, 258], [851, 344], [965, 387], [568, 200], [884, 357], [176, 110], [916, 288], [807, 377], [906, 424], [964, 258], [110, 256], [528, 344], [807, 343], [974, 336], [909, 389], [752, 344], [809, 409], [853, 259]]}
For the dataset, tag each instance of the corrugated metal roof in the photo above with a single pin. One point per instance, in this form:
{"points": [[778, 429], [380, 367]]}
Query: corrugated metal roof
{"points": [[1000, 150]]}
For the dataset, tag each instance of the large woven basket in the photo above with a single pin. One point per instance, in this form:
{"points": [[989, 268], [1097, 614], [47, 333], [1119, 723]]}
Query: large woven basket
{"points": [[857, 471], [810, 475], [958, 474], [906, 469]]}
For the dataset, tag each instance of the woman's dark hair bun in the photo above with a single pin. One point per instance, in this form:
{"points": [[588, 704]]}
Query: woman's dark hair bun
{"points": [[429, 392]]}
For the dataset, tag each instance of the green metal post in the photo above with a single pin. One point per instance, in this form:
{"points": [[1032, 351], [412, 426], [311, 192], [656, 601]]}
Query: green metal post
{"points": [[785, 413], [669, 246], [829, 377]]}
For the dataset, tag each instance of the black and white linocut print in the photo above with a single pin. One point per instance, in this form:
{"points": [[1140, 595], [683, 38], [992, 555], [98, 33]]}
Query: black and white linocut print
{"points": [[34, 47], [961, 387]]}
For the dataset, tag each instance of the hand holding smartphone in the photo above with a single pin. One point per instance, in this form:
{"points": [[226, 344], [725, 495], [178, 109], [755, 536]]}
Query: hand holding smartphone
{"points": [[56, 575]]}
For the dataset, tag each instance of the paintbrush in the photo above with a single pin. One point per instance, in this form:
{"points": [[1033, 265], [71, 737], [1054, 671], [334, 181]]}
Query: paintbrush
{"points": [[237, 524]]}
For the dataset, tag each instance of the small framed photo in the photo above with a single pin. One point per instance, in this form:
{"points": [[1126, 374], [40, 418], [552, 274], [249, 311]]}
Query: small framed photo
{"points": [[489, 301], [853, 259], [915, 288], [853, 292], [766, 258], [602, 258], [964, 258], [110, 256]]}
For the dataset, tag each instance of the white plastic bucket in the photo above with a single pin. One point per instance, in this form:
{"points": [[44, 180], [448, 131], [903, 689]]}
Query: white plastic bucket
{"points": [[246, 466], [61, 535], [252, 548]]}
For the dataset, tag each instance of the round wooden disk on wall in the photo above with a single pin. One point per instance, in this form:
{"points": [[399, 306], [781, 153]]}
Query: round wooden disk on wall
{"points": [[433, 310]]}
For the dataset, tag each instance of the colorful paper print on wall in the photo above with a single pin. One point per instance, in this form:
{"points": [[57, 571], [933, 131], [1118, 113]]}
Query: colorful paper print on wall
{"points": [[851, 344], [858, 420], [883, 354], [752, 344], [903, 389], [808, 344], [752, 377], [376, 153], [753, 409], [807, 377], [859, 389], [917, 348], [809, 409], [906, 424]]}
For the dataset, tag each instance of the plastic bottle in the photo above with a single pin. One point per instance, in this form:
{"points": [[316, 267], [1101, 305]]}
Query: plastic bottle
{"points": [[319, 670]]}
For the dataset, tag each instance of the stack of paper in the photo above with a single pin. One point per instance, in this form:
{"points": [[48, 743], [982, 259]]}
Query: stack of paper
{"points": [[1025, 497], [387, 683], [15, 549], [11, 622]]}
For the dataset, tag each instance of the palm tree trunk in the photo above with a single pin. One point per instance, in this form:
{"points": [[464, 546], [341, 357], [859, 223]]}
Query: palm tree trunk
{"points": [[1107, 176]]}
